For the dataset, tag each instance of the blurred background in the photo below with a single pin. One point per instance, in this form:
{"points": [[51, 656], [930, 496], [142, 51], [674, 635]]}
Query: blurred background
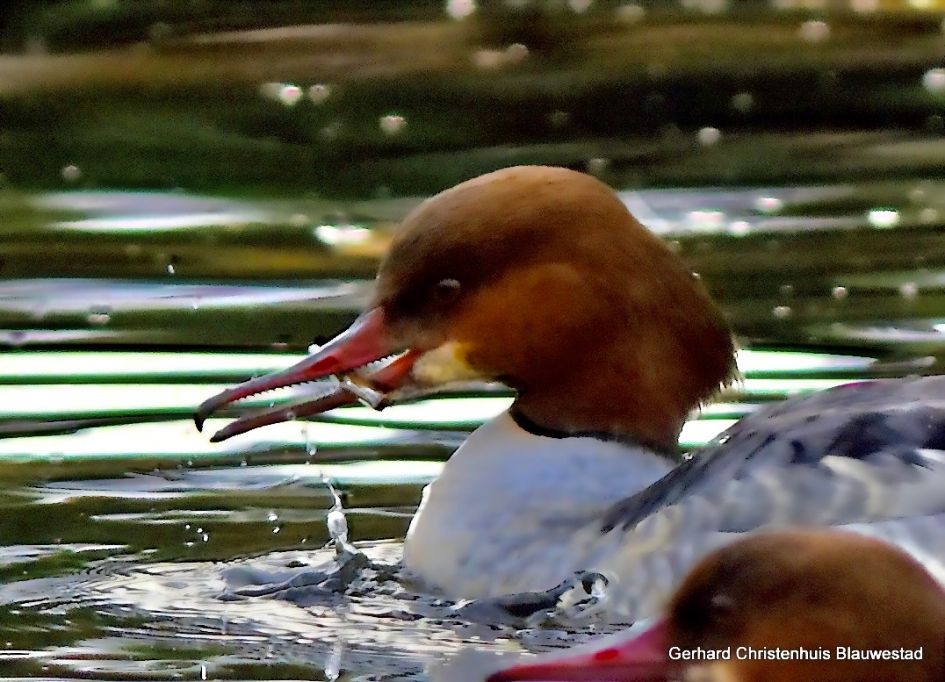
{"points": [[193, 191]]}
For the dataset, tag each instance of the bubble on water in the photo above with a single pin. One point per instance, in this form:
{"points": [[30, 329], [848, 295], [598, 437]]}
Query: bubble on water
{"points": [[709, 136], [205, 537], [461, 9], [272, 517], [171, 270], [71, 173], [186, 526], [782, 312], [814, 31], [839, 292], [909, 290], [276, 530], [392, 124], [318, 93]]}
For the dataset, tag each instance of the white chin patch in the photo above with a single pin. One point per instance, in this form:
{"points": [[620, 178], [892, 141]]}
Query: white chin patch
{"points": [[444, 364]]}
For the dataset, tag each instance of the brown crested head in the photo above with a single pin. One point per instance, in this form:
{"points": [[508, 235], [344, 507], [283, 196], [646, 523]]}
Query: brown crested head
{"points": [[539, 277], [817, 591]]}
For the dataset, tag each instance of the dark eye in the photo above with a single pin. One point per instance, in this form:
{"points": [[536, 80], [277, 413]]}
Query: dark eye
{"points": [[446, 289]]}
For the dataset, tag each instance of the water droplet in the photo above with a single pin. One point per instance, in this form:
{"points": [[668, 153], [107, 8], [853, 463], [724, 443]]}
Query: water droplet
{"points": [[392, 124], [200, 530], [460, 9], [814, 31], [883, 217], [909, 290], [203, 672], [244, 463], [709, 136], [743, 102], [171, 270], [276, 530], [272, 517], [205, 537], [337, 525], [71, 173], [933, 80], [310, 448], [782, 312], [317, 94], [839, 293]]}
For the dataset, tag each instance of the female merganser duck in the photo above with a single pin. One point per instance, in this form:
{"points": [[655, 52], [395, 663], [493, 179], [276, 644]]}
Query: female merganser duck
{"points": [[790, 606], [540, 278]]}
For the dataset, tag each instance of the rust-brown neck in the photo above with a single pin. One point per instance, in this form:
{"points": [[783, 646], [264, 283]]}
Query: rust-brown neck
{"points": [[642, 390]]}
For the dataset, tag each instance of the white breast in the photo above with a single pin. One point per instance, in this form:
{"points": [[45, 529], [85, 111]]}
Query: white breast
{"points": [[510, 512]]}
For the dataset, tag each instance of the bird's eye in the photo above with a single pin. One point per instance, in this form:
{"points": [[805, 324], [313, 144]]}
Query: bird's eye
{"points": [[447, 288], [721, 603]]}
